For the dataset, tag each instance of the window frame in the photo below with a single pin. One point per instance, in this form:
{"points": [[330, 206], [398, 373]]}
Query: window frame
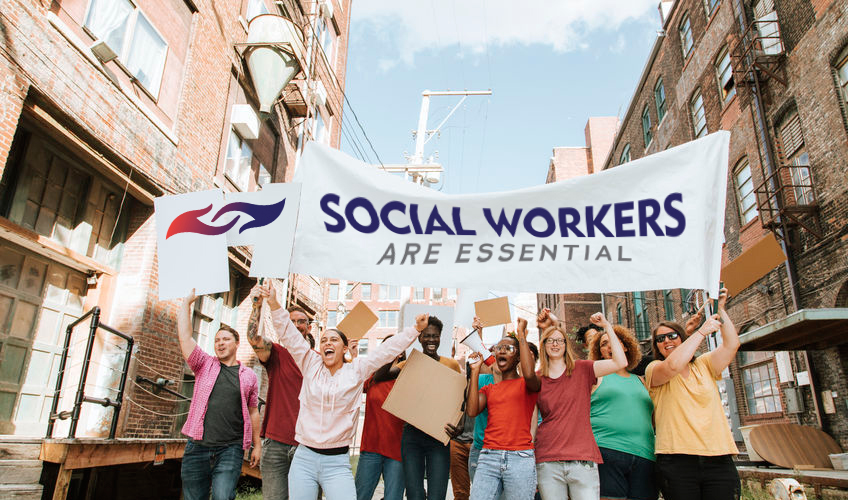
{"points": [[385, 318], [668, 305], [625, 152], [774, 388], [363, 287], [686, 36], [744, 213], [704, 130], [646, 126], [330, 293], [724, 54], [123, 59], [640, 315], [710, 9], [242, 144], [662, 107]]}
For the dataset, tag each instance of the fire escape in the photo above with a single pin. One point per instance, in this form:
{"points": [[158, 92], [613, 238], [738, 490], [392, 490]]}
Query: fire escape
{"points": [[785, 196]]}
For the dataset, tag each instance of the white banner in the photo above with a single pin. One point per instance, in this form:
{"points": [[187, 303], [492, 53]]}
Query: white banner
{"points": [[654, 223]]}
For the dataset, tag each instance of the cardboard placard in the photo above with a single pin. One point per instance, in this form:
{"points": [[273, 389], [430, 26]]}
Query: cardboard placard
{"points": [[357, 322], [752, 265], [427, 395], [493, 311]]}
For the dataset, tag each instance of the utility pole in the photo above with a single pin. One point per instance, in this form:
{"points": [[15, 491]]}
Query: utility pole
{"points": [[429, 171]]}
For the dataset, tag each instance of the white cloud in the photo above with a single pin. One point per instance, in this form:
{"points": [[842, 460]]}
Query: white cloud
{"points": [[421, 25]]}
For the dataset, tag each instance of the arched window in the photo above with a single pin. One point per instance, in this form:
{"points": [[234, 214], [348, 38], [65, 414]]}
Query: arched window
{"points": [[686, 40], [745, 196], [699, 118], [625, 154], [724, 73], [659, 97], [646, 126]]}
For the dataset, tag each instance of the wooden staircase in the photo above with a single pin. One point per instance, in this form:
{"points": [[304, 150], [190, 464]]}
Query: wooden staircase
{"points": [[20, 468]]}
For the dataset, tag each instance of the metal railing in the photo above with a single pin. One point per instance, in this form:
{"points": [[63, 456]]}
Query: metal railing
{"points": [[81, 397], [758, 48]]}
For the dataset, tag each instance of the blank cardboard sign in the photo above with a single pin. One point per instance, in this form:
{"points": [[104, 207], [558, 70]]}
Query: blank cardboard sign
{"points": [[493, 311], [357, 322], [427, 395]]}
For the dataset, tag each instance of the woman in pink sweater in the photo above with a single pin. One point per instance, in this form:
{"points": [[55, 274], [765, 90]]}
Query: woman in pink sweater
{"points": [[329, 401]]}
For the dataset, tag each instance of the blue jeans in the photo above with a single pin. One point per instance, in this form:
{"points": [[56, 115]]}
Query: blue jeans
{"points": [[421, 452], [512, 473], [217, 468], [371, 466], [310, 470], [275, 464], [473, 458]]}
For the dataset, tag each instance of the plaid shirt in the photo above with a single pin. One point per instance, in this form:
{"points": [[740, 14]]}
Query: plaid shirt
{"points": [[206, 369]]}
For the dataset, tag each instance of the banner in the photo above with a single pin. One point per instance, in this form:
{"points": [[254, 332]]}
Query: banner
{"points": [[654, 223], [193, 232]]}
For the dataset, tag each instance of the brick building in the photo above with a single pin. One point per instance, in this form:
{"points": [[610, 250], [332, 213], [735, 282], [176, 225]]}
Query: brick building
{"points": [[775, 74], [568, 163], [103, 107]]}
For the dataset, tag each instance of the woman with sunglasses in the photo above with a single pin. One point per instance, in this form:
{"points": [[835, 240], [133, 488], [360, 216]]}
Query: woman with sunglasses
{"points": [[626, 444], [507, 462], [329, 401], [694, 445], [566, 453]]}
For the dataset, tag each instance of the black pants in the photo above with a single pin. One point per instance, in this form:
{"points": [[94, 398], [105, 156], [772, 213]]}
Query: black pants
{"points": [[693, 477]]}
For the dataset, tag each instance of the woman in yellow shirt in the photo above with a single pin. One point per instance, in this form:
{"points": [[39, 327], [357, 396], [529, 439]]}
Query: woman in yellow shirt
{"points": [[694, 447]]}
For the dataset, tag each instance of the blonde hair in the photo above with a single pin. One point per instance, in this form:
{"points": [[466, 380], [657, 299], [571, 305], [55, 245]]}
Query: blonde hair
{"points": [[628, 341], [544, 363]]}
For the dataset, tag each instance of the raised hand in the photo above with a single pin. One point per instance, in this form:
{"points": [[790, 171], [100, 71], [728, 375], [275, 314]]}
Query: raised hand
{"points": [[545, 319], [267, 293], [421, 322], [723, 295], [475, 360], [477, 324], [189, 299], [521, 329], [693, 322], [712, 324], [599, 319]]}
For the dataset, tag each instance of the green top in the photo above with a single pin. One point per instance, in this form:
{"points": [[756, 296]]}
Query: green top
{"points": [[621, 416]]}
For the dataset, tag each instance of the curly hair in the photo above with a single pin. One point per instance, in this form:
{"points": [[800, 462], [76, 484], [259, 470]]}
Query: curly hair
{"points": [[628, 341]]}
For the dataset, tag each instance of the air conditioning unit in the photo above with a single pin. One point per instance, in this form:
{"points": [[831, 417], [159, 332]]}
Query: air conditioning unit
{"points": [[102, 51], [245, 121], [325, 7], [319, 93]]}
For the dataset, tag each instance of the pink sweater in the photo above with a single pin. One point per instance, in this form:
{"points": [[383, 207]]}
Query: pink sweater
{"points": [[329, 404]]}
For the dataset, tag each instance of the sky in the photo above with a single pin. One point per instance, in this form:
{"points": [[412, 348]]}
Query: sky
{"points": [[551, 64]]}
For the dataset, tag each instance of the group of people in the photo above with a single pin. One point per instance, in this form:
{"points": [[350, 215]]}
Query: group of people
{"points": [[573, 428]]}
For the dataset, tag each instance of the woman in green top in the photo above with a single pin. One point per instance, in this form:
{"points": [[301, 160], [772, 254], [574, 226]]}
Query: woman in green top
{"points": [[621, 421]]}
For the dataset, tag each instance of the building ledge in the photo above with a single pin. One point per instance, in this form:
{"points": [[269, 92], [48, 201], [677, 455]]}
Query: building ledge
{"points": [[811, 329]]}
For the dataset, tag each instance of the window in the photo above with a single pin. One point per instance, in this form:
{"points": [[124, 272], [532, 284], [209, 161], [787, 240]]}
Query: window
{"points": [[699, 118], [659, 97], [389, 292], [332, 319], [745, 191], [724, 71], [238, 163], [641, 312], [334, 292], [686, 41], [419, 294], [264, 177], [710, 6], [646, 126], [365, 291], [792, 140], [685, 300], [326, 36], [761, 388], [452, 293], [618, 314], [625, 154], [668, 305], [436, 293], [349, 291], [841, 70], [363, 347], [321, 132], [256, 8], [130, 34], [388, 319]]}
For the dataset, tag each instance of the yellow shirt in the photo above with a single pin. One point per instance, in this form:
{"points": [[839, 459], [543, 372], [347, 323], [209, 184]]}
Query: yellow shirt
{"points": [[688, 412], [449, 362]]}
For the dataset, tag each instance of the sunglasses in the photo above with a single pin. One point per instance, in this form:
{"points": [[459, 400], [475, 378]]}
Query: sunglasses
{"points": [[503, 348], [659, 339], [554, 341]]}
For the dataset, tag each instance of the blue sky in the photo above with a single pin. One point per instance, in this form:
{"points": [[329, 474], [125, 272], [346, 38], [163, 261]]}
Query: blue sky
{"points": [[550, 66]]}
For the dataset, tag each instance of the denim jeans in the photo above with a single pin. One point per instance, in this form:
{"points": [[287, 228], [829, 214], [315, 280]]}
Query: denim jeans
{"points": [[473, 458], [311, 470], [574, 479], [421, 452], [693, 477], [511, 473], [276, 460], [368, 471], [206, 468]]}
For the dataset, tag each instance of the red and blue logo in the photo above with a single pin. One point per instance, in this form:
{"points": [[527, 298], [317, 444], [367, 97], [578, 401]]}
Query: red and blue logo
{"points": [[261, 215]]}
